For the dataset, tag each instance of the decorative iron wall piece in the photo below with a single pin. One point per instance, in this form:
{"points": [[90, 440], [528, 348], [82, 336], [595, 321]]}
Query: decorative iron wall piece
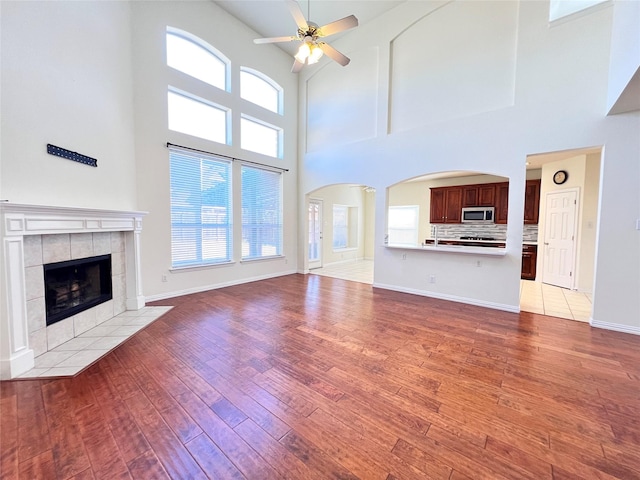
{"points": [[75, 156]]}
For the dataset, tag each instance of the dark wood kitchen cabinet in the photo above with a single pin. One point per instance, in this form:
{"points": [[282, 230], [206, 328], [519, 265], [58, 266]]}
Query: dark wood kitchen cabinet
{"points": [[502, 202], [446, 205], [483, 195], [529, 259], [531, 202]]}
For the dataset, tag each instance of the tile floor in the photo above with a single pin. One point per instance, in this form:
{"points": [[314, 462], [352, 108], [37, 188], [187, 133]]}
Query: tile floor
{"points": [[535, 297], [538, 297], [78, 353], [356, 271]]}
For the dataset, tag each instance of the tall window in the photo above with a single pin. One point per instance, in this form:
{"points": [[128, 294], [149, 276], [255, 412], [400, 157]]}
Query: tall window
{"points": [[261, 90], [345, 226], [261, 213], [194, 57], [403, 225], [201, 220]]}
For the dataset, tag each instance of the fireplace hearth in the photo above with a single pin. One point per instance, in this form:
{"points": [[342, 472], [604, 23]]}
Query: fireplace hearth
{"points": [[76, 285]]}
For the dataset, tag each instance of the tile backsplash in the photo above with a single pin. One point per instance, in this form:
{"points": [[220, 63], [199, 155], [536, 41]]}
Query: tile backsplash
{"points": [[494, 230]]}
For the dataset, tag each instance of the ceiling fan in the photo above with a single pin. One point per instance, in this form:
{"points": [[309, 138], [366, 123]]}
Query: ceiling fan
{"points": [[311, 49]]}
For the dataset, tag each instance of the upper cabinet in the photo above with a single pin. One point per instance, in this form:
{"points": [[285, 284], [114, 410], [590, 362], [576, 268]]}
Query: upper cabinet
{"points": [[447, 202], [531, 201], [446, 205], [482, 195], [502, 202]]}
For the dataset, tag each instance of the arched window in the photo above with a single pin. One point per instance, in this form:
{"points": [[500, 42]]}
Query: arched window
{"points": [[260, 89], [196, 58]]}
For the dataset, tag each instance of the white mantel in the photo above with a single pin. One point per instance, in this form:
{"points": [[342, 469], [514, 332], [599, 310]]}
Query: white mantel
{"points": [[20, 221]]}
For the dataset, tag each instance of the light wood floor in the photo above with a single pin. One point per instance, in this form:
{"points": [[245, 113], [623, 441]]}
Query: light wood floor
{"points": [[535, 297], [306, 376]]}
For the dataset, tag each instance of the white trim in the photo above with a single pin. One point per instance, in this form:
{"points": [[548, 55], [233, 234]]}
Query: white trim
{"points": [[616, 327], [451, 298], [215, 286], [17, 364], [23, 219]]}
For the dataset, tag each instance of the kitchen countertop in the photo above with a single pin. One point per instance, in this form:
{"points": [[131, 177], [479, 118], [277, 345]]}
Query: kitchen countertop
{"points": [[489, 251], [457, 245]]}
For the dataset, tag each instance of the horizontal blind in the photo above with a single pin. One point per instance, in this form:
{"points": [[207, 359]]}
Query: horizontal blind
{"points": [[201, 217], [340, 226], [261, 213]]}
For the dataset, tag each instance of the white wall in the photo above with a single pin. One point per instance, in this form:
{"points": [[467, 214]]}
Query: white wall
{"points": [[66, 80], [151, 79], [625, 58], [559, 103]]}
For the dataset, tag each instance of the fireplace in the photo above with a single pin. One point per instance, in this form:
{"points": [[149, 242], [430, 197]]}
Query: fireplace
{"points": [[37, 235], [74, 286]]}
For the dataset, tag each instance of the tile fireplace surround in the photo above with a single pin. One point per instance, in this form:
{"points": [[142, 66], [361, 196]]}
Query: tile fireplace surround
{"points": [[33, 235]]}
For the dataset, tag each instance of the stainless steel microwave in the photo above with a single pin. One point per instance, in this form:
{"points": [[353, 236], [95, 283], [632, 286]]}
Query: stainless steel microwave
{"points": [[478, 215]]}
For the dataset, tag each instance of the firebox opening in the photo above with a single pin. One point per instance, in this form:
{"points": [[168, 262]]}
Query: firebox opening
{"points": [[76, 285]]}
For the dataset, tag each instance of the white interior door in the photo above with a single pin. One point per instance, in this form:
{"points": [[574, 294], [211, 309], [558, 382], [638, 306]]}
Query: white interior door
{"points": [[559, 238], [315, 233]]}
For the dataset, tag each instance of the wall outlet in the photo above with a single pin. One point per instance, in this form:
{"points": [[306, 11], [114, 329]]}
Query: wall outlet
{"points": [[404, 256], [164, 277], [432, 279], [478, 263]]}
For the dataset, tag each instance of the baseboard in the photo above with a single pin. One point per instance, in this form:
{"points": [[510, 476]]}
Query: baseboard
{"points": [[18, 364], [616, 327], [205, 288], [452, 298]]}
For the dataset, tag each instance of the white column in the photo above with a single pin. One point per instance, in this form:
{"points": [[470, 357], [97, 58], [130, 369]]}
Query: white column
{"points": [[135, 298], [15, 355]]}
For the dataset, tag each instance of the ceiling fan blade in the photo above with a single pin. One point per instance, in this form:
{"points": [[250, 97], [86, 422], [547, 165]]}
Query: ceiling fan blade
{"points": [[334, 54], [297, 66], [338, 26], [275, 39], [297, 14]]}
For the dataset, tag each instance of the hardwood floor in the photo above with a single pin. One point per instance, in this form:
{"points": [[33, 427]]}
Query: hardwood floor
{"points": [[315, 377]]}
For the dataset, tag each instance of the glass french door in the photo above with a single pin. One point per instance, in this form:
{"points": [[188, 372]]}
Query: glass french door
{"points": [[315, 233]]}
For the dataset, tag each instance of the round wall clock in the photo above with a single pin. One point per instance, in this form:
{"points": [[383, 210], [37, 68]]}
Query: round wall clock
{"points": [[560, 177]]}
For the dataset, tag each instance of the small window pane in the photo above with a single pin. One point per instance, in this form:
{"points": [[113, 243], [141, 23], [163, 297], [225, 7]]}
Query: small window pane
{"points": [[259, 91], [195, 60], [259, 138], [564, 8], [193, 117]]}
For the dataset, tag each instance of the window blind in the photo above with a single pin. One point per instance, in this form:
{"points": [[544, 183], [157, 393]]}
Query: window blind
{"points": [[201, 219], [261, 213], [340, 226]]}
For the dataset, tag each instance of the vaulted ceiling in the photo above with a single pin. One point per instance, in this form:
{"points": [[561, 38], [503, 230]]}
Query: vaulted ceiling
{"points": [[272, 18]]}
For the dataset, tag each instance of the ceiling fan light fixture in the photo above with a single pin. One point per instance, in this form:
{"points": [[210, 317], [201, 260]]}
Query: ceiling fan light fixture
{"points": [[311, 49], [303, 52], [315, 55]]}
